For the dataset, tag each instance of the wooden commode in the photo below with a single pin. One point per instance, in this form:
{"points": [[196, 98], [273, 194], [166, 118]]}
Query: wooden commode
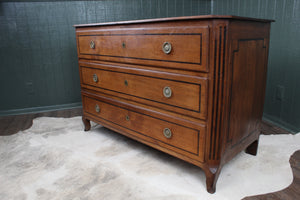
{"points": [[192, 87]]}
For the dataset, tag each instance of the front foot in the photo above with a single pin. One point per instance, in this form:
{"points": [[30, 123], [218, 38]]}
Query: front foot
{"points": [[87, 124], [212, 175]]}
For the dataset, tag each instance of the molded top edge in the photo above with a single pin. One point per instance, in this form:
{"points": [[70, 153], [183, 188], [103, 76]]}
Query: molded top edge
{"points": [[199, 17]]}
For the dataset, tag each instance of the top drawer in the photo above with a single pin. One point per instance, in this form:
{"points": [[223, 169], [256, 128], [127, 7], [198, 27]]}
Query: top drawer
{"points": [[171, 47]]}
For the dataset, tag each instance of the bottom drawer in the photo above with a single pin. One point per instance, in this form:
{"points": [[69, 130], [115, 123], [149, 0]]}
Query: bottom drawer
{"points": [[180, 138]]}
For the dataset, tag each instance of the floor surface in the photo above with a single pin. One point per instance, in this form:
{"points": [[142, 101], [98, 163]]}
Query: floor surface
{"points": [[12, 124]]}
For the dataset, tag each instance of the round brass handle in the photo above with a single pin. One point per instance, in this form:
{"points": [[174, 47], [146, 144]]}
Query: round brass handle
{"points": [[167, 47], [95, 78], [167, 133], [92, 44], [167, 91], [127, 118], [97, 108]]}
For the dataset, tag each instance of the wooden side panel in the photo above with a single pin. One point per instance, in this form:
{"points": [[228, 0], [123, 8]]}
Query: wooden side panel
{"points": [[247, 88], [240, 54], [247, 76]]}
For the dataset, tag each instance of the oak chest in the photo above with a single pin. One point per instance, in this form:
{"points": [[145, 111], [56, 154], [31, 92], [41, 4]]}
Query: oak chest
{"points": [[192, 87]]}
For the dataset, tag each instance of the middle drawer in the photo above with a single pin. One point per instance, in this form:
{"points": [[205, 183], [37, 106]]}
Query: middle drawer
{"points": [[177, 93]]}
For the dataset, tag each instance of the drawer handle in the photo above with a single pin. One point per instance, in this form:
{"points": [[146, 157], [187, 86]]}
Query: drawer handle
{"points": [[97, 108], [92, 44], [95, 78], [167, 47], [167, 133], [123, 45], [126, 83], [167, 91], [127, 118]]}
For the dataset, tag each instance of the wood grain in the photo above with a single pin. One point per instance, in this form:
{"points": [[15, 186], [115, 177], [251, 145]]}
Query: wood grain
{"points": [[230, 52], [136, 45], [189, 93], [185, 48], [183, 138], [199, 17]]}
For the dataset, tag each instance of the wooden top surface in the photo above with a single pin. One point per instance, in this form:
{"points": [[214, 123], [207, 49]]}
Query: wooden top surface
{"points": [[199, 17]]}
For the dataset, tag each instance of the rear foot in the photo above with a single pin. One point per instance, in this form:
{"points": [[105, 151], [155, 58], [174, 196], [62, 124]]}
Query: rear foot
{"points": [[252, 148], [87, 124]]}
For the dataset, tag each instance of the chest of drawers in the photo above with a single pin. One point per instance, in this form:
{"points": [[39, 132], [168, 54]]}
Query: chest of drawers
{"points": [[192, 87]]}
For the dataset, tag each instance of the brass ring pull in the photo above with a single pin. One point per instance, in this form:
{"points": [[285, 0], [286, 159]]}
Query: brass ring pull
{"points": [[95, 78], [167, 47], [167, 133], [167, 91], [92, 44], [97, 108], [127, 118]]}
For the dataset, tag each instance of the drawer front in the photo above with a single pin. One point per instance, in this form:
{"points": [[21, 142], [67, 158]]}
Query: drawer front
{"points": [[168, 92], [166, 47], [174, 135]]}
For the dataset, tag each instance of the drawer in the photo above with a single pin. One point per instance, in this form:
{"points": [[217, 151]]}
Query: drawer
{"points": [[171, 135], [173, 47], [178, 93]]}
